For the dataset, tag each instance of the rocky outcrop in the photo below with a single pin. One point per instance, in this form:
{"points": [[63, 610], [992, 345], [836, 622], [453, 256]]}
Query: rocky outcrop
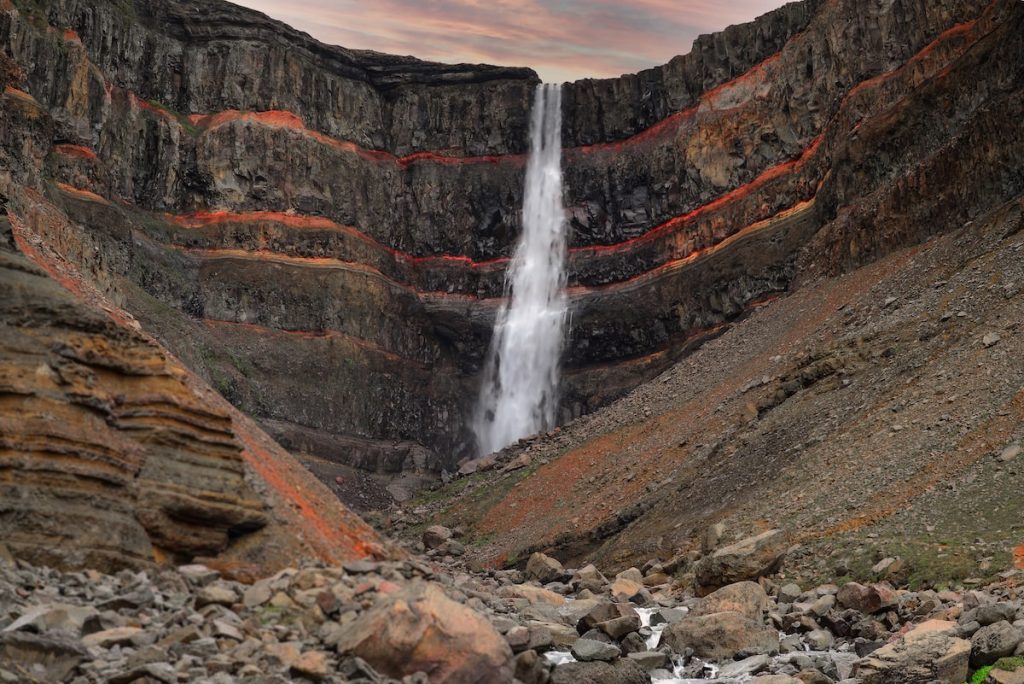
{"points": [[351, 222], [111, 456]]}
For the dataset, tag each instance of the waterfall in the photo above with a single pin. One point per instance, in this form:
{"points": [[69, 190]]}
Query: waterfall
{"points": [[519, 396]]}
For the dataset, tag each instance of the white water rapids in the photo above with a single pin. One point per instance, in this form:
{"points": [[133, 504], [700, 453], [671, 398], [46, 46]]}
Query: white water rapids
{"points": [[519, 397]]}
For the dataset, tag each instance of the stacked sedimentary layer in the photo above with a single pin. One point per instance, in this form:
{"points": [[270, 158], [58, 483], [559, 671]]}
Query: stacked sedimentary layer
{"points": [[324, 233], [111, 456]]}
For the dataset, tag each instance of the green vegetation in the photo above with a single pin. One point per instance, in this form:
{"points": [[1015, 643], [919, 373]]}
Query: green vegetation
{"points": [[981, 675]]}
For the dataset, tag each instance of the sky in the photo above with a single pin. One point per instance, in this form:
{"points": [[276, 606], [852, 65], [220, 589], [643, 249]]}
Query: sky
{"points": [[563, 40]]}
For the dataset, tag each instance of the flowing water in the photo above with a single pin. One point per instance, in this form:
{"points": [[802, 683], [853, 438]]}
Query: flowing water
{"points": [[519, 397]]}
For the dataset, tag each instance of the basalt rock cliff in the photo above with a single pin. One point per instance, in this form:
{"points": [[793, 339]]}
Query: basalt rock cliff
{"points": [[323, 233]]}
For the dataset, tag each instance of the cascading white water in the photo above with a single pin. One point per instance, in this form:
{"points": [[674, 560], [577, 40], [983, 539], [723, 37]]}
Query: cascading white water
{"points": [[520, 391]]}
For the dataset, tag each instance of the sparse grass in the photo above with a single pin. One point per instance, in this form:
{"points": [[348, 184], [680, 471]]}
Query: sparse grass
{"points": [[1009, 664], [182, 120]]}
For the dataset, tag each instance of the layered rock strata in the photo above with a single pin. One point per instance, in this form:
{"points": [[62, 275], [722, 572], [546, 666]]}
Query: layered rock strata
{"points": [[323, 233], [112, 456]]}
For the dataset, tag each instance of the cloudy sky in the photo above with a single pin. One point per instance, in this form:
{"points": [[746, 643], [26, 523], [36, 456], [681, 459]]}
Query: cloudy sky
{"points": [[563, 40]]}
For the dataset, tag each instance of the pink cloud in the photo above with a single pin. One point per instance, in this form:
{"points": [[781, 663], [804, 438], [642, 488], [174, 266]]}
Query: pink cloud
{"points": [[562, 40]]}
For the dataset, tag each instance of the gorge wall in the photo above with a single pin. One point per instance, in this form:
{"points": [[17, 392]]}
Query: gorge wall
{"points": [[323, 233]]}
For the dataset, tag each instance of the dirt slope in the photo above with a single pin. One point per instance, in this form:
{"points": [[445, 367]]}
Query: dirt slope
{"points": [[865, 414]]}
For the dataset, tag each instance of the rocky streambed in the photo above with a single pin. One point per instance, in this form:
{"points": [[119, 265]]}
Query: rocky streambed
{"points": [[429, 619]]}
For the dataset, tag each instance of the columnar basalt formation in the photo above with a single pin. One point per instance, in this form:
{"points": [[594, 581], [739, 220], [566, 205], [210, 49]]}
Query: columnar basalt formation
{"points": [[323, 233]]}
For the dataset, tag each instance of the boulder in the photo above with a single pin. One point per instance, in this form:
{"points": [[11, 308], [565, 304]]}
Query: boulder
{"points": [[866, 599], [624, 589], [544, 569], [749, 559], [721, 636], [746, 598], [587, 650], [436, 536], [54, 654], [649, 660], [623, 671], [619, 614], [928, 653], [992, 642], [589, 577], [419, 629]]}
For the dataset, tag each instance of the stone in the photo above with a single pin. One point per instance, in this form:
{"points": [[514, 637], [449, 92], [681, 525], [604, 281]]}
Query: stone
{"points": [[617, 628], [866, 599], [721, 636], [994, 641], [991, 339], [63, 617], [822, 605], [1009, 453], [884, 566], [623, 590], [744, 668], [587, 650], [624, 671], [107, 638], [216, 594], [604, 612], [198, 574], [649, 660], [258, 594], [313, 665], [436, 536], [530, 668], [820, 639], [632, 574], [544, 568], [712, 537], [788, 593], [55, 654], [746, 598], [419, 629], [925, 654], [749, 559], [589, 577], [518, 638], [656, 579]]}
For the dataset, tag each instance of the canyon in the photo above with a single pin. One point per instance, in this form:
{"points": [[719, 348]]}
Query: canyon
{"points": [[225, 205], [244, 274]]}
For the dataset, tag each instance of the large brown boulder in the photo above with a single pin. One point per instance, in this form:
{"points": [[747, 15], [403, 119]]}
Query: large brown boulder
{"points": [[721, 636], [419, 629], [749, 559], [928, 653], [544, 569], [746, 598], [866, 599]]}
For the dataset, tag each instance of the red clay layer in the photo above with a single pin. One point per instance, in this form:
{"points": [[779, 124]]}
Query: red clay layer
{"points": [[80, 151]]}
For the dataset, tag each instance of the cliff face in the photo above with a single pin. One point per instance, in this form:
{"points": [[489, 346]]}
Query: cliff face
{"points": [[323, 233]]}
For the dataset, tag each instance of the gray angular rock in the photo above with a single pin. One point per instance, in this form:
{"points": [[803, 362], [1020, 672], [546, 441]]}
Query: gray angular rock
{"points": [[994, 641], [587, 650], [623, 671]]}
